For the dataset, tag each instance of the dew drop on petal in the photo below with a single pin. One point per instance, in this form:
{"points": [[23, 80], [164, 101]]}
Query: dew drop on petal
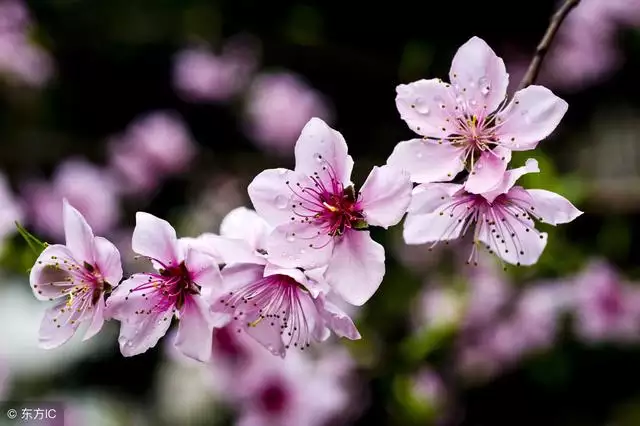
{"points": [[291, 237], [419, 154], [440, 101], [318, 157], [282, 202], [485, 86]]}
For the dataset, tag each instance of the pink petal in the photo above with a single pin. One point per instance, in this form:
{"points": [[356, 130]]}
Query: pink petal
{"points": [[108, 260], [427, 161], [488, 171], [245, 224], [520, 247], [425, 223], [426, 198], [204, 271], [385, 196], [226, 250], [155, 238], [195, 332], [272, 197], [356, 267], [552, 208], [47, 277], [56, 327], [531, 116], [337, 320], [428, 107], [138, 331], [78, 234], [318, 143], [479, 76], [295, 273], [509, 179], [268, 336], [298, 245], [97, 320], [236, 276]]}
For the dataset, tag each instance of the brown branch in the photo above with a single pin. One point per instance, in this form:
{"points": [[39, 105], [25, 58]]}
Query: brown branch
{"points": [[541, 51]]}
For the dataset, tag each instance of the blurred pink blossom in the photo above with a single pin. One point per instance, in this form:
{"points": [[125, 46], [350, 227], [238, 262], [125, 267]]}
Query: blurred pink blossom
{"points": [[292, 392], [153, 146], [438, 306], [607, 308], [87, 187], [488, 291], [585, 50], [200, 75], [278, 105], [10, 209], [20, 59], [428, 387]]}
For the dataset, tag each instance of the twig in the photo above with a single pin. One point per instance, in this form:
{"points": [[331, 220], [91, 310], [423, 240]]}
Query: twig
{"points": [[541, 51]]}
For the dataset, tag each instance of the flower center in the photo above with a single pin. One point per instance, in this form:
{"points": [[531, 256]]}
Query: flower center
{"points": [[324, 202], [171, 286], [273, 398]]}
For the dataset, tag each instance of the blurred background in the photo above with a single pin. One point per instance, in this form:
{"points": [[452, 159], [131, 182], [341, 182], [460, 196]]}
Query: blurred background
{"points": [[173, 106]]}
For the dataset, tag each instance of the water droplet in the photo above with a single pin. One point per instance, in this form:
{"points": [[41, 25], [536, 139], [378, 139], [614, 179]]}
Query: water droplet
{"points": [[318, 157], [302, 251], [419, 154], [485, 86], [422, 107], [291, 237], [440, 102], [282, 202], [473, 102], [282, 172]]}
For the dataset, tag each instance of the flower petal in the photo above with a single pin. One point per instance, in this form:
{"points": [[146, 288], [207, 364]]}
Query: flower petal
{"points": [[78, 234], [510, 177], [515, 240], [155, 238], [97, 320], [224, 250], [195, 331], [488, 171], [319, 144], [58, 325], [479, 76], [272, 196], [268, 336], [141, 325], [47, 278], [435, 214], [245, 224], [108, 260], [356, 268], [386, 194], [427, 161], [531, 116], [299, 245], [552, 208], [337, 320], [204, 271], [427, 106]]}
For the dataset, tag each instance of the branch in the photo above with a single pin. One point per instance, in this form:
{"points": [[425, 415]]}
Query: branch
{"points": [[541, 51]]}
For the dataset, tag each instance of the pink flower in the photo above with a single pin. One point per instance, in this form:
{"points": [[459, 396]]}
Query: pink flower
{"points": [[278, 306], [200, 75], [182, 284], [298, 391], [153, 146], [79, 273], [607, 308], [468, 122], [88, 188], [274, 96], [502, 219], [321, 220], [427, 387]]}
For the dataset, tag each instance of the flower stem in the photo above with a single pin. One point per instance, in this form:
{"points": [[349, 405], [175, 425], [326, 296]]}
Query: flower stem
{"points": [[541, 51]]}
